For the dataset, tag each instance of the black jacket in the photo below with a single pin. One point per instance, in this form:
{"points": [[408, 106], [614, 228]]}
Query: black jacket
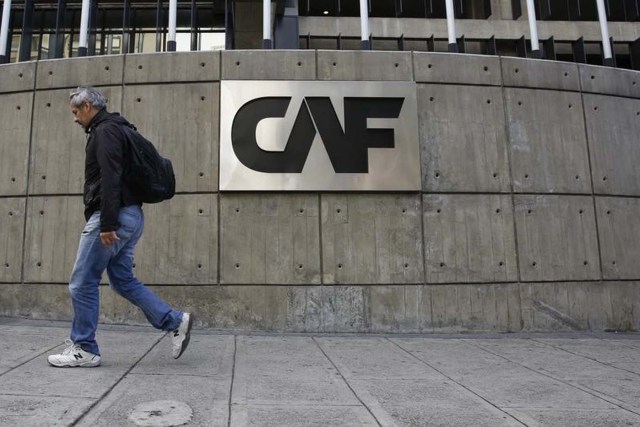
{"points": [[106, 154]]}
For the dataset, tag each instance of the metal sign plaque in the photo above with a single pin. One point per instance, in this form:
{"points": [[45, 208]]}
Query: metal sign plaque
{"points": [[319, 136]]}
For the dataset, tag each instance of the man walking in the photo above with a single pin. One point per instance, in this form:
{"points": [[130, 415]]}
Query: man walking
{"points": [[114, 225]]}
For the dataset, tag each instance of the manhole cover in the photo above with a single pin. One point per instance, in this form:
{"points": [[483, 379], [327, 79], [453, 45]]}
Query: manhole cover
{"points": [[161, 413]]}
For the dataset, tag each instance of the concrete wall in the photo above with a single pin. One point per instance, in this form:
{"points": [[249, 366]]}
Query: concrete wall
{"points": [[528, 218]]}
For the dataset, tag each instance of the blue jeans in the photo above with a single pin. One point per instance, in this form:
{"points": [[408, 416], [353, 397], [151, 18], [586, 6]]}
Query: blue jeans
{"points": [[92, 259]]}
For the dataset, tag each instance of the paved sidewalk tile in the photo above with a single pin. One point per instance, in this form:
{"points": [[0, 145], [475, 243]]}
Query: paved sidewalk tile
{"points": [[240, 379]]}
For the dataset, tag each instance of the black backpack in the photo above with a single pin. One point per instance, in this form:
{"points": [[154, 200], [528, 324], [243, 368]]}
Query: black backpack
{"points": [[149, 175]]}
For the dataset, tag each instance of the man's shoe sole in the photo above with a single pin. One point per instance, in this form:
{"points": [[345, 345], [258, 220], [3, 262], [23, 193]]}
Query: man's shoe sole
{"points": [[84, 365], [185, 343]]}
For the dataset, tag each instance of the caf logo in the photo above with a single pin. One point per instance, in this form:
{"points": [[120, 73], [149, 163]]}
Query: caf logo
{"points": [[367, 130], [347, 148]]}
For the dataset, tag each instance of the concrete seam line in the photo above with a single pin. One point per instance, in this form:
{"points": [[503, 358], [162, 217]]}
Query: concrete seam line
{"points": [[584, 389], [591, 181], [110, 389], [29, 360], [313, 338], [321, 240], [28, 172], [591, 358], [233, 375], [454, 381]]}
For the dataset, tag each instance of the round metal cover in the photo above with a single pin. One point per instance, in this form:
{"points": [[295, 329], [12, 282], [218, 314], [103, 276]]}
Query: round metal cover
{"points": [[161, 413]]}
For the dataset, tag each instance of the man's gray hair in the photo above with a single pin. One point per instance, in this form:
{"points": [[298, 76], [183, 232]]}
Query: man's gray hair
{"points": [[89, 95]]}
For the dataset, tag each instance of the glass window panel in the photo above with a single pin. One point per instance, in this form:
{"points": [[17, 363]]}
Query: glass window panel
{"points": [[46, 47], [45, 19], [183, 42], [111, 18], [146, 18], [383, 8], [437, 9], [303, 7], [72, 18], [473, 9], [615, 10], [559, 10], [15, 48], [212, 41], [414, 8], [75, 42], [349, 7], [112, 44], [204, 17], [16, 20], [588, 10], [35, 46], [183, 19], [145, 42], [97, 44], [323, 8]]}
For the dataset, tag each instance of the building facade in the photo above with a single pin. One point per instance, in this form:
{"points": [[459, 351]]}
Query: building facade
{"points": [[568, 30], [426, 191]]}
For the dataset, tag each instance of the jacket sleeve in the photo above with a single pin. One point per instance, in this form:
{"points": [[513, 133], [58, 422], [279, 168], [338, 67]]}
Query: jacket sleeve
{"points": [[110, 153]]}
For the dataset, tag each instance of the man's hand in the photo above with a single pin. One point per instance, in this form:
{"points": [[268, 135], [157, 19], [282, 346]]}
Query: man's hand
{"points": [[108, 238]]}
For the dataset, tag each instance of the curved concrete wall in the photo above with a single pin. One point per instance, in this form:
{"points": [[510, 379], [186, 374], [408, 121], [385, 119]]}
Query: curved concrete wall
{"points": [[528, 219]]}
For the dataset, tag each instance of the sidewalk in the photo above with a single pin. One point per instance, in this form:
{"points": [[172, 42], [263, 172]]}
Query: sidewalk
{"points": [[242, 379]]}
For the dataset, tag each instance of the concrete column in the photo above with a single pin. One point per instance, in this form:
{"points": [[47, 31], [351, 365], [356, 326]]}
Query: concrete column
{"points": [[533, 29], [286, 30], [4, 31], [84, 27], [266, 24], [604, 29], [173, 15], [451, 26], [27, 32], [364, 25]]}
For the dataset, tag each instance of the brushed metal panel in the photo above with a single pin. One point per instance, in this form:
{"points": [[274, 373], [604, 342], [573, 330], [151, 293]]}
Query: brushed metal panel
{"points": [[389, 169]]}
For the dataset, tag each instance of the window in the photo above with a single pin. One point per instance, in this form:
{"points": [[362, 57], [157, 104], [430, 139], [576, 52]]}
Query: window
{"points": [[464, 9], [586, 10]]}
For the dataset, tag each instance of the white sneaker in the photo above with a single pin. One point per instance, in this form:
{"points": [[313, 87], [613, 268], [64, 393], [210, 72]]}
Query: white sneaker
{"points": [[181, 336], [74, 356]]}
